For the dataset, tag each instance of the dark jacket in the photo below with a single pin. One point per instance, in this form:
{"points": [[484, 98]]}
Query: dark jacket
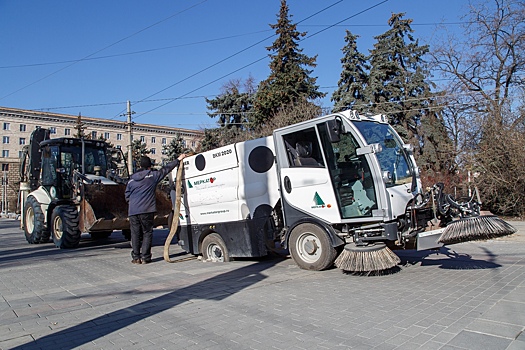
{"points": [[140, 190]]}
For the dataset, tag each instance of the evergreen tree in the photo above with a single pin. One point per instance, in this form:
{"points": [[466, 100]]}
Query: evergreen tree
{"points": [[397, 84], [289, 80], [173, 149], [233, 105], [138, 149], [350, 93], [80, 127]]}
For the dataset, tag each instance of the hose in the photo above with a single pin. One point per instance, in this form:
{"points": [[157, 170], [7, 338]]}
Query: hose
{"points": [[176, 213]]}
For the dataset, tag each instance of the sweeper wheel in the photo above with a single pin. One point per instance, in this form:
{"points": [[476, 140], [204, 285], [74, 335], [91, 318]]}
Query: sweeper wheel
{"points": [[370, 258]]}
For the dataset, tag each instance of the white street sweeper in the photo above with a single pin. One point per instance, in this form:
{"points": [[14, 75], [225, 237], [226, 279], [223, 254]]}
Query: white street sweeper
{"points": [[343, 184]]}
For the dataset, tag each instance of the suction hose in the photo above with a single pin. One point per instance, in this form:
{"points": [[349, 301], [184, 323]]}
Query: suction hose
{"points": [[176, 212]]}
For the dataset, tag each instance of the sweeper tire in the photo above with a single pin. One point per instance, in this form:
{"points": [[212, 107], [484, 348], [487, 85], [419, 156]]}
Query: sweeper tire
{"points": [[214, 249], [64, 227], [34, 228], [310, 247]]}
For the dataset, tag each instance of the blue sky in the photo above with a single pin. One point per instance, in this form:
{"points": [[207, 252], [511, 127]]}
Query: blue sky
{"points": [[165, 56]]}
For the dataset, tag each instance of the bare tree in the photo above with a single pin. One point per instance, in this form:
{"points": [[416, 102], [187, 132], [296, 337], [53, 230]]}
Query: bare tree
{"points": [[484, 109]]}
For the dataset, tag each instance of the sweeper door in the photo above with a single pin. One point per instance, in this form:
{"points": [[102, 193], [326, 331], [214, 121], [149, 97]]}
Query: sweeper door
{"points": [[331, 180]]}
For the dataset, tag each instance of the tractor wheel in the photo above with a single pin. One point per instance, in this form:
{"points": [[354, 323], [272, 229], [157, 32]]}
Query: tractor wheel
{"points": [[34, 228], [214, 249], [100, 235], [311, 248], [64, 227]]}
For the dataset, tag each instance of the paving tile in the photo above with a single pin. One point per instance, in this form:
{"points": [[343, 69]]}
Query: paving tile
{"points": [[472, 340]]}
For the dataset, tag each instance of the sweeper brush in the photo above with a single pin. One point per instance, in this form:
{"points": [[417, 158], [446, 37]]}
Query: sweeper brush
{"points": [[370, 258], [475, 228]]}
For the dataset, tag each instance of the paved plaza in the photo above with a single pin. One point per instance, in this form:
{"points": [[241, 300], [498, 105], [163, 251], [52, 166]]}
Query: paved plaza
{"points": [[464, 296]]}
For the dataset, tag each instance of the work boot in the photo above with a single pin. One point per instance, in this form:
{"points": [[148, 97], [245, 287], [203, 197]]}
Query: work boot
{"points": [[136, 261], [146, 261]]}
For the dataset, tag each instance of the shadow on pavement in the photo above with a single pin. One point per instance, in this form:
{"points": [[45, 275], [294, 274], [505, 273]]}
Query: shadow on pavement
{"points": [[215, 288], [447, 259]]}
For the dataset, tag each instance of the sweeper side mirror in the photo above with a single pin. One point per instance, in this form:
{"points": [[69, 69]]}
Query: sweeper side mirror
{"points": [[335, 128]]}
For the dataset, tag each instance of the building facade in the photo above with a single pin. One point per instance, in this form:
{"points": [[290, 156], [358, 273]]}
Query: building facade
{"points": [[16, 126]]}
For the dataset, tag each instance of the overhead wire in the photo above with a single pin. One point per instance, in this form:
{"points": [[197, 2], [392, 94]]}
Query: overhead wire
{"points": [[169, 100], [102, 49], [256, 61], [221, 61]]}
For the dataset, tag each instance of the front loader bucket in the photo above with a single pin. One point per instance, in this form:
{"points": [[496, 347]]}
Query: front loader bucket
{"points": [[104, 208]]}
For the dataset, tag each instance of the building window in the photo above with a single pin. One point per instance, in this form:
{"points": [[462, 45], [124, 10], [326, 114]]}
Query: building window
{"points": [[106, 135], [53, 130], [5, 139], [37, 127], [20, 154], [7, 126], [22, 127], [119, 137], [142, 139], [67, 132], [93, 135], [22, 140], [183, 143], [119, 146], [5, 153], [192, 144], [153, 150], [153, 139], [5, 167], [163, 140]]}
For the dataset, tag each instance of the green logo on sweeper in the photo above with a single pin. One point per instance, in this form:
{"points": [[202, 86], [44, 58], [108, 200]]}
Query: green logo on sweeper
{"points": [[318, 200]]}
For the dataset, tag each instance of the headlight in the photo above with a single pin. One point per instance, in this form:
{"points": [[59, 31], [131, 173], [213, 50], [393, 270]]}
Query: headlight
{"points": [[53, 192], [387, 177]]}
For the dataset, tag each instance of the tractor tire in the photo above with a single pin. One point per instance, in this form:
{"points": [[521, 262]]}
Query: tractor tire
{"points": [[214, 249], [34, 227], [100, 235], [64, 227], [310, 247]]}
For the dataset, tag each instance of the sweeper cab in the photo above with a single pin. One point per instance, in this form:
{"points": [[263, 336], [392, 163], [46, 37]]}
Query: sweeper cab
{"points": [[340, 185]]}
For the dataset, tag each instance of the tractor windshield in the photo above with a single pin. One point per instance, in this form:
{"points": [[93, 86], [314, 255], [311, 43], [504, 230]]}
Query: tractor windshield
{"points": [[393, 158], [95, 161]]}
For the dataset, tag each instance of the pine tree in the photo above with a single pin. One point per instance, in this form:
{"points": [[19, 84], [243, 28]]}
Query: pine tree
{"points": [[289, 80], [173, 149], [80, 126], [233, 105], [397, 84], [138, 150], [350, 93]]}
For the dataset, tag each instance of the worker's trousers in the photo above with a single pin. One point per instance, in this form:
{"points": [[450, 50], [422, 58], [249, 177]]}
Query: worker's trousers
{"points": [[141, 226]]}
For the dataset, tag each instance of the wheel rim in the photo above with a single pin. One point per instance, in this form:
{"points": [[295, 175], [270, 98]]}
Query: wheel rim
{"points": [[30, 220], [57, 228], [215, 252], [308, 247]]}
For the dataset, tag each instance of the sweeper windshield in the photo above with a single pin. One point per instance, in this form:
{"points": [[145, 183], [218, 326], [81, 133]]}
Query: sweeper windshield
{"points": [[393, 157]]}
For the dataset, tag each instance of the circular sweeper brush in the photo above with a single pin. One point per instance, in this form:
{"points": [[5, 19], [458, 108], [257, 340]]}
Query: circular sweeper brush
{"points": [[476, 228], [370, 258]]}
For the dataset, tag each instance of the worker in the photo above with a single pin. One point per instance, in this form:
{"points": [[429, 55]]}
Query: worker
{"points": [[140, 196]]}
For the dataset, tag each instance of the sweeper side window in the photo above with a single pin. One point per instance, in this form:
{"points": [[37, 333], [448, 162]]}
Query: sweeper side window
{"points": [[303, 149]]}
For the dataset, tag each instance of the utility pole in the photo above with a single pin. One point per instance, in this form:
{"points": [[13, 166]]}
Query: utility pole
{"points": [[130, 135]]}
